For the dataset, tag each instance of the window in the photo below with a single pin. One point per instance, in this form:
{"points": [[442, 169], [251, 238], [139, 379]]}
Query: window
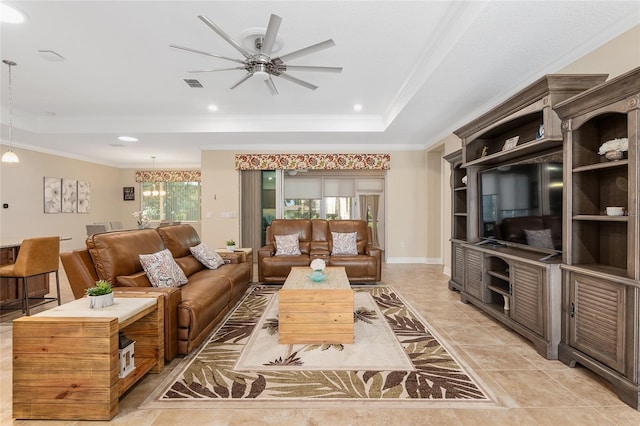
{"points": [[171, 201], [299, 208]]}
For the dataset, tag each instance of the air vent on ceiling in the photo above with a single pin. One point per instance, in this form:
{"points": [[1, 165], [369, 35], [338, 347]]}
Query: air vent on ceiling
{"points": [[192, 82]]}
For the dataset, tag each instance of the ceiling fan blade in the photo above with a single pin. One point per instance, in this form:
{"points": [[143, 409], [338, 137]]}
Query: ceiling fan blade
{"points": [[242, 80], [225, 36], [298, 81], [270, 36], [216, 69], [309, 68], [305, 51], [188, 49], [271, 86]]}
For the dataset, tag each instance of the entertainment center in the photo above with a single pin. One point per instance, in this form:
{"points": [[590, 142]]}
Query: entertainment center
{"points": [[532, 243]]}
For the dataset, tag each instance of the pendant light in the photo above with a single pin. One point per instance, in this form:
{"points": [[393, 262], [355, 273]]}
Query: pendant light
{"points": [[10, 156], [154, 192]]}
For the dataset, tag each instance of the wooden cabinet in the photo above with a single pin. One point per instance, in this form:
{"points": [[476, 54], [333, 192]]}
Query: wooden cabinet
{"points": [[11, 288], [601, 252], [517, 289], [528, 115], [459, 219], [65, 360]]}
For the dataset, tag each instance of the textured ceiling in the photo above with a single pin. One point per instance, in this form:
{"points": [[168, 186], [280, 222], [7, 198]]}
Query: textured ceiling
{"points": [[419, 68]]}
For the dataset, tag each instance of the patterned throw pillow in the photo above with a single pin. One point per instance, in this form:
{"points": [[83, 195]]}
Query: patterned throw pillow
{"points": [[162, 270], [207, 256], [344, 243], [287, 245], [539, 238]]}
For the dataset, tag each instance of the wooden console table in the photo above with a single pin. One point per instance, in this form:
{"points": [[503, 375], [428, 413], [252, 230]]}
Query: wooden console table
{"points": [[65, 360]]}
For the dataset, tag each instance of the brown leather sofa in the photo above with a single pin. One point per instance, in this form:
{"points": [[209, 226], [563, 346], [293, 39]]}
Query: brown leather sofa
{"points": [[315, 242], [192, 310]]}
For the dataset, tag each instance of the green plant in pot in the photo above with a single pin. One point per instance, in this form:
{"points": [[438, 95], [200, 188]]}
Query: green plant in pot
{"points": [[231, 245], [101, 295]]}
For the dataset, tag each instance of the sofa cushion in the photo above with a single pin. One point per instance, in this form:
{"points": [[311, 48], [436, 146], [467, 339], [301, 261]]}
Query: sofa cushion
{"points": [[207, 256], [162, 270], [189, 265], [287, 245], [358, 226], [344, 243], [179, 238], [301, 227], [116, 253]]}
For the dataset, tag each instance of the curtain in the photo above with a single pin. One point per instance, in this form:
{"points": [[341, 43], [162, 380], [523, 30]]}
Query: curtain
{"points": [[251, 210], [370, 203], [168, 176], [312, 161]]}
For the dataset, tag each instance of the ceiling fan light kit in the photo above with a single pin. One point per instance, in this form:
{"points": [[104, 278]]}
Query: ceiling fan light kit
{"points": [[260, 63]]}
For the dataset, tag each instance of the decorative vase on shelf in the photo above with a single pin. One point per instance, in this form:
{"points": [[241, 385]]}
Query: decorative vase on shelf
{"points": [[614, 155]]}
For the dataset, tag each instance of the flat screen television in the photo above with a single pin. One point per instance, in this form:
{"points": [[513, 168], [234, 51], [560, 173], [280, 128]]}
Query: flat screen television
{"points": [[521, 204]]}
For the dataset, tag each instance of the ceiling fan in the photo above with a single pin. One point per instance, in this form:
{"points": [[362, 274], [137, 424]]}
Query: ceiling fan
{"points": [[259, 63]]}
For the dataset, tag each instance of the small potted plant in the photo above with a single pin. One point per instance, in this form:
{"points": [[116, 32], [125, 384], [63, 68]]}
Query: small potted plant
{"points": [[231, 245], [101, 295]]}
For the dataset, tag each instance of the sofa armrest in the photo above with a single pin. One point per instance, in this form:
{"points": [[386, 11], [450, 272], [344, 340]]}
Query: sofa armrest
{"points": [[231, 257], [173, 297], [79, 269], [376, 252], [263, 252]]}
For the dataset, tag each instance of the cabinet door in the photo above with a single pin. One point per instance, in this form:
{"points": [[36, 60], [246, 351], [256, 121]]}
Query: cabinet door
{"points": [[473, 276], [458, 263], [597, 319], [527, 297]]}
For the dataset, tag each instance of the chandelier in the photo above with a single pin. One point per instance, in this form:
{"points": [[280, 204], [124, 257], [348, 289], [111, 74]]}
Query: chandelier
{"points": [[154, 192], [10, 156]]}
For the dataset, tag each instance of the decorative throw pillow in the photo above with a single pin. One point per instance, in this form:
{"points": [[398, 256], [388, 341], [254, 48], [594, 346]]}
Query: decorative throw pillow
{"points": [[207, 256], [344, 243], [539, 238], [287, 245], [162, 270]]}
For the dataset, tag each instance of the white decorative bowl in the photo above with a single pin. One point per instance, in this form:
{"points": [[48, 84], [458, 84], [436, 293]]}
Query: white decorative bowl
{"points": [[615, 211]]}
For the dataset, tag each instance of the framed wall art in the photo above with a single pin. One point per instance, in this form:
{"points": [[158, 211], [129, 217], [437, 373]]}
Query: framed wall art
{"points": [[69, 195], [52, 189], [128, 193], [84, 196]]}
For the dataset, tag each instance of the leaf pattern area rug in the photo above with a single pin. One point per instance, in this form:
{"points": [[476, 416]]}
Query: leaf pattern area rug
{"points": [[396, 358]]}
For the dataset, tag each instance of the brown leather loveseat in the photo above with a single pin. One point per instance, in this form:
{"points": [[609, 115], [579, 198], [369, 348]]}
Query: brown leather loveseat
{"points": [[192, 310], [315, 241]]}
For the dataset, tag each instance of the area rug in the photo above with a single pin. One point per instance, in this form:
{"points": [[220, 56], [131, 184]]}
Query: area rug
{"points": [[396, 358]]}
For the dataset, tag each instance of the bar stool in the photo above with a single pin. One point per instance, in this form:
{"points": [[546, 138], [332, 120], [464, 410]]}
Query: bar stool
{"points": [[37, 256]]}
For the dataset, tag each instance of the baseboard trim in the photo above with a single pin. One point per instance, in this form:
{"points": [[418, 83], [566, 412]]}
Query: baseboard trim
{"points": [[425, 260]]}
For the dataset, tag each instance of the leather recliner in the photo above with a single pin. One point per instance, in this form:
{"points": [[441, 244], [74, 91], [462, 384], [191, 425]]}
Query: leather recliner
{"points": [[315, 242]]}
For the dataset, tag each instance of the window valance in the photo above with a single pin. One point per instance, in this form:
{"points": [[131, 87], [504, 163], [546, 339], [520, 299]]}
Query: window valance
{"points": [[313, 161], [168, 176]]}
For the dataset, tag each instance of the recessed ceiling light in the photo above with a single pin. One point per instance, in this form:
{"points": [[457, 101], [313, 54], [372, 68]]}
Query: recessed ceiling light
{"points": [[11, 15], [213, 108], [357, 107], [127, 139]]}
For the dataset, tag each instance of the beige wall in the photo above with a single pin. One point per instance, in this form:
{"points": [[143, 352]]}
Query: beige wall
{"points": [[220, 197], [620, 55], [21, 188]]}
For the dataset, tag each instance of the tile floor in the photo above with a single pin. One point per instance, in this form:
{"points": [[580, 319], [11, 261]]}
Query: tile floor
{"points": [[531, 390]]}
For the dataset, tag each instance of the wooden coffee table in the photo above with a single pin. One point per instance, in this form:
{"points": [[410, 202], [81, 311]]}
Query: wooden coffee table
{"points": [[316, 313]]}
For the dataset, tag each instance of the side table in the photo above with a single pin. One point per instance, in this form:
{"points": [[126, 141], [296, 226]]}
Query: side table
{"points": [[246, 256], [65, 360]]}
